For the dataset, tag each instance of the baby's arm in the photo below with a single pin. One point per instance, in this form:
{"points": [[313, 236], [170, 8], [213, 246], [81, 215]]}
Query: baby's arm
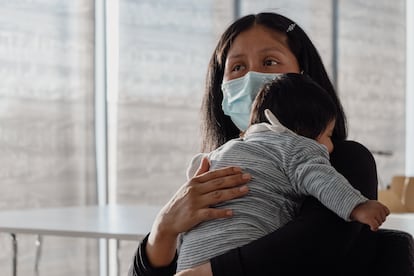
{"points": [[312, 174], [371, 212]]}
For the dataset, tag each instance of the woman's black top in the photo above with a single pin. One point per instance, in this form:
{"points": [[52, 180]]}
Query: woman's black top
{"points": [[317, 241]]}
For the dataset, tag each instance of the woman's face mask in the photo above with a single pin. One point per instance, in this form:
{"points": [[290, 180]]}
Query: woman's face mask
{"points": [[239, 94]]}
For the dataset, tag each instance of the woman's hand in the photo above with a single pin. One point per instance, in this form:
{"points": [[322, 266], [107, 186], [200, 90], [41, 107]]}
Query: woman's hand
{"points": [[191, 205], [201, 270]]}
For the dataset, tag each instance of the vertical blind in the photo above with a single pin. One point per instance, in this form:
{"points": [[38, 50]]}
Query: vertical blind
{"points": [[47, 101]]}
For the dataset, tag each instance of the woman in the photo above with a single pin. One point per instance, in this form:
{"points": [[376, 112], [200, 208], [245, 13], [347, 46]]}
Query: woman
{"points": [[317, 241]]}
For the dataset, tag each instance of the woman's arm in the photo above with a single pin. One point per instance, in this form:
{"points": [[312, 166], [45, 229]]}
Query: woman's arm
{"points": [[142, 266], [156, 255]]}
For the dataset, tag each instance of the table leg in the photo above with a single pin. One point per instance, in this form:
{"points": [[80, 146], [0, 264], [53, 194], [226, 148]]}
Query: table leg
{"points": [[103, 257], [113, 257], [14, 242], [39, 240], [118, 261]]}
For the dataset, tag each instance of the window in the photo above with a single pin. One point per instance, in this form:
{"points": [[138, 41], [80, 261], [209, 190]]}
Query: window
{"points": [[161, 50], [46, 122], [164, 50]]}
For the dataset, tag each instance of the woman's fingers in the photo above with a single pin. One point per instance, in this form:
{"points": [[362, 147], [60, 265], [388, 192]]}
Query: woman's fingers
{"points": [[228, 177], [223, 195], [192, 203], [217, 186], [213, 213], [203, 195]]}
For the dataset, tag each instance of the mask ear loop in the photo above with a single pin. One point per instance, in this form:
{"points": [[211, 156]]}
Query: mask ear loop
{"points": [[275, 124], [271, 117]]}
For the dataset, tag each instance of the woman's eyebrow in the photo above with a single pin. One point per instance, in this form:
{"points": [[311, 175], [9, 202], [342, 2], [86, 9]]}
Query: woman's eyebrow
{"points": [[234, 56], [272, 49], [264, 50]]}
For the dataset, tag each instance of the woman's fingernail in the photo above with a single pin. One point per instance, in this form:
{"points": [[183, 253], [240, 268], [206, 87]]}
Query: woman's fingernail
{"points": [[246, 176], [243, 188]]}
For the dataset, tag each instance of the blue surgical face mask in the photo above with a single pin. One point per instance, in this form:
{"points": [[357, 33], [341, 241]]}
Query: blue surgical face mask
{"points": [[239, 94]]}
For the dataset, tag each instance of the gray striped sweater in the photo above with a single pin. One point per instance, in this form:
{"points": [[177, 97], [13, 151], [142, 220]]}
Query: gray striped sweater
{"points": [[285, 168]]}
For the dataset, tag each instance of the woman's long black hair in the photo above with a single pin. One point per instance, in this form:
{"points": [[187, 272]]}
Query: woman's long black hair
{"points": [[216, 127]]}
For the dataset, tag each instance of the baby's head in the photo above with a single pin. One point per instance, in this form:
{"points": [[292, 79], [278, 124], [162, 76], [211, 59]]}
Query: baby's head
{"points": [[300, 104]]}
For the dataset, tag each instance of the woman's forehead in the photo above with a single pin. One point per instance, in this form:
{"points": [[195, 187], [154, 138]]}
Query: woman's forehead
{"points": [[259, 39]]}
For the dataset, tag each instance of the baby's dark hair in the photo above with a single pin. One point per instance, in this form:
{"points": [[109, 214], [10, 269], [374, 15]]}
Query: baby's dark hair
{"points": [[298, 102]]}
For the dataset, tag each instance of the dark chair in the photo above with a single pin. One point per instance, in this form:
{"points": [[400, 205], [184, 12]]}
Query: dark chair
{"points": [[395, 253]]}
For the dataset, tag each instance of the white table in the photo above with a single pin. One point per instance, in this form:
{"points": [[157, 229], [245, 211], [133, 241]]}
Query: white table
{"points": [[403, 221], [101, 222], [116, 222]]}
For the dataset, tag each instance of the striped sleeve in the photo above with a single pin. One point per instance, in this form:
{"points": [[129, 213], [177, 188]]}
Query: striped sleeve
{"points": [[311, 173]]}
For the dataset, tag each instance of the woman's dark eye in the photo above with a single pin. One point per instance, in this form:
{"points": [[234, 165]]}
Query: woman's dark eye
{"points": [[237, 68], [270, 62]]}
